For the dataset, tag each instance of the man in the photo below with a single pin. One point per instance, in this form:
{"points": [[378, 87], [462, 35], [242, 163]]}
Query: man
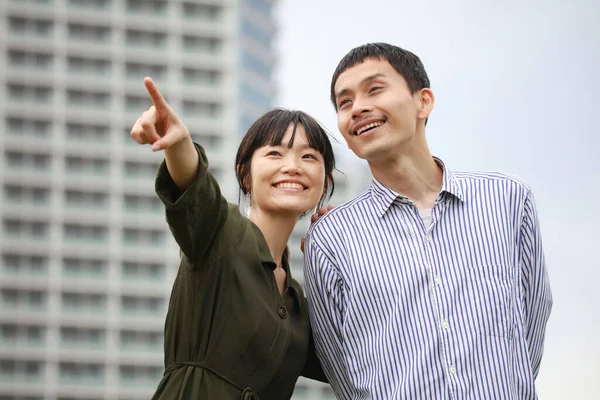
{"points": [[431, 284]]}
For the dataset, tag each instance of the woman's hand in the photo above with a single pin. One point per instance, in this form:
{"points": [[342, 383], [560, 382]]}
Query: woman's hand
{"points": [[159, 125]]}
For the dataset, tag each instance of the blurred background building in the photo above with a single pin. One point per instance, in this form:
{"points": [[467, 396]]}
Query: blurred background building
{"points": [[87, 261]]}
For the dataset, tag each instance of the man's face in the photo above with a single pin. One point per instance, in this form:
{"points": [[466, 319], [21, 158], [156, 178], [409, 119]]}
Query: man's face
{"points": [[377, 113]]}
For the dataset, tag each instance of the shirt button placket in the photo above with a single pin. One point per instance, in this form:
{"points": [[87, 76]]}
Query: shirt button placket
{"points": [[282, 312]]}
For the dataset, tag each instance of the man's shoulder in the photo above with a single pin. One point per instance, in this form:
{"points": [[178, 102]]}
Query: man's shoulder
{"points": [[477, 179], [339, 216]]}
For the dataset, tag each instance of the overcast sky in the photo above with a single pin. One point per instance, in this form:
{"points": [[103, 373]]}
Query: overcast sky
{"points": [[516, 85]]}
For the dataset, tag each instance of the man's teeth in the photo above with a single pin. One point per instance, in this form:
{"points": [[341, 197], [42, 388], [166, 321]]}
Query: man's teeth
{"points": [[372, 125], [288, 185]]}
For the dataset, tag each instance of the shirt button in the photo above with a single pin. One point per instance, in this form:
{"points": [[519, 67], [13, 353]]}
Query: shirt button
{"points": [[428, 238], [438, 280], [282, 312], [445, 324], [452, 370]]}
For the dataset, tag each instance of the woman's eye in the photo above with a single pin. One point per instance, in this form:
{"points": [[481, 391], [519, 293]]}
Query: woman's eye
{"points": [[309, 156], [273, 153]]}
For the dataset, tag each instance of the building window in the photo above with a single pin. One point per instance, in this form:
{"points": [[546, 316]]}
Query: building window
{"points": [[30, 60], [201, 76], [27, 195], [88, 66], [139, 203], [92, 166], [144, 237], [82, 199], [23, 300], [201, 109], [88, 133], [204, 12], [210, 141], [24, 265], [83, 302], [81, 373], [93, 100], [90, 4], [143, 271], [149, 39], [33, 3], [29, 93], [137, 170], [21, 371], [22, 335], [35, 128], [141, 340], [89, 33], [147, 7], [138, 375], [21, 26], [27, 161], [19, 229], [201, 44], [84, 268], [135, 70], [85, 233], [76, 337], [137, 103], [143, 306]]}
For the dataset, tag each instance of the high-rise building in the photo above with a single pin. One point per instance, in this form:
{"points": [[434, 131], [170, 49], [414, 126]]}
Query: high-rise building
{"points": [[86, 259]]}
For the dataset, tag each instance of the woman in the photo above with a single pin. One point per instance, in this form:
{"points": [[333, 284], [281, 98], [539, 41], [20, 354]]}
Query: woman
{"points": [[237, 324]]}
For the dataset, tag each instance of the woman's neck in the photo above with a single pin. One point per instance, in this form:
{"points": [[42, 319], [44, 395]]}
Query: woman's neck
{"points": [[276, 229]]}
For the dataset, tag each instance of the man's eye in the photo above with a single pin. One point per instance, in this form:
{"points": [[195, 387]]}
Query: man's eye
{"points": [[374, 88], [343, 103]]}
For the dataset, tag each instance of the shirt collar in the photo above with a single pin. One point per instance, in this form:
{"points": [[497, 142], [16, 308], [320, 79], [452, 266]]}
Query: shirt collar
{"points": [[267, 259], [384, 197]]}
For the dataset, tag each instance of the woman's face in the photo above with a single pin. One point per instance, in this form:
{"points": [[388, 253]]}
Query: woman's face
{"points": [[287, 180]]}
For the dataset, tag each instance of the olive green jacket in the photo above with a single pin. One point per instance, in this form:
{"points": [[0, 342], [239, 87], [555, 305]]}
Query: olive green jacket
{"points": [[229, 333]]}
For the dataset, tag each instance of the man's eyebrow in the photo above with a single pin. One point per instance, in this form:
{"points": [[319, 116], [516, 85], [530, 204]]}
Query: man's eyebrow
{"points": [[362, 83]]}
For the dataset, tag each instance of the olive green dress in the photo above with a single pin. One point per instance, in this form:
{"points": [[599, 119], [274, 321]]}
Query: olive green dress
{"points": [[229, 333]]}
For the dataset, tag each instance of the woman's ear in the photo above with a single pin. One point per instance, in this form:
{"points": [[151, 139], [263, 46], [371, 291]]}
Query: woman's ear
{"points": [[327, 185], [244, 179]]}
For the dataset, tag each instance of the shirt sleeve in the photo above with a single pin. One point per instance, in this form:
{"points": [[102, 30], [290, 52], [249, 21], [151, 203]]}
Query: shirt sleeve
{"points": [[325, 296], [535, 288], [195, 216]]}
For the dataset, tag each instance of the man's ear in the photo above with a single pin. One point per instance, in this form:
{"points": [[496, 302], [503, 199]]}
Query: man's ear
{"points": [[427, 101]]}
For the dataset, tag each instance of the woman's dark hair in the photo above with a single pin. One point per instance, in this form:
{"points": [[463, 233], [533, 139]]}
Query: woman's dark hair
{"points": [[269, 130]]}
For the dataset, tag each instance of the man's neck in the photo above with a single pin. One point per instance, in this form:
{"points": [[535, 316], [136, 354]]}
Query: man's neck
{"points": [[413, 173]]}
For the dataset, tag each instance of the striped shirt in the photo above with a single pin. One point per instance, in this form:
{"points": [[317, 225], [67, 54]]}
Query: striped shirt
{"points": [[454, 310]]}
